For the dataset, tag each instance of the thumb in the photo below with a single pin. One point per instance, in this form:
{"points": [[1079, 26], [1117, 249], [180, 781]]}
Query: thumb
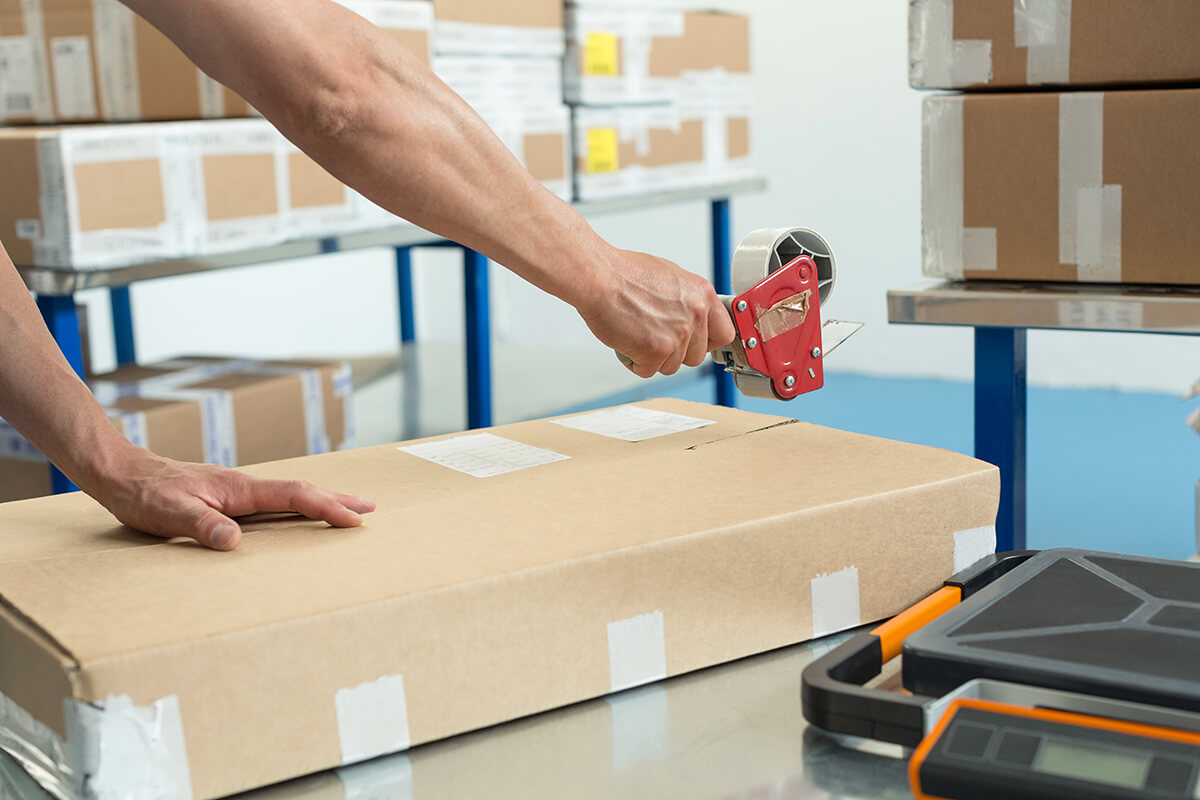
{"points": [[209, 527]]}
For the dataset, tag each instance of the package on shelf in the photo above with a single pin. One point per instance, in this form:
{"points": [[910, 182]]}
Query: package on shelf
{"points": [[726, 127], [540, 139], [486, 27], [623, 55], [95, 60], [414, 627], [960, 44], [211, 410], [1090, 187], [717, 55], [503, 81]]}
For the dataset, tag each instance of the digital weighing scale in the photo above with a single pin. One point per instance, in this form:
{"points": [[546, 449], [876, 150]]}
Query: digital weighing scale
{"points": [[1060, 674]]}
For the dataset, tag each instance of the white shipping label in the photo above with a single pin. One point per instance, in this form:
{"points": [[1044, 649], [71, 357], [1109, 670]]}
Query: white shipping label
{"points": [[16, 75], [633, 423], [74, 87], [483, 455]]}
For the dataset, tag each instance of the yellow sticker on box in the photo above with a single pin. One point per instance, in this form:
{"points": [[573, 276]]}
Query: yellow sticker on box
{"points": [[600, 55], [602, 150]]}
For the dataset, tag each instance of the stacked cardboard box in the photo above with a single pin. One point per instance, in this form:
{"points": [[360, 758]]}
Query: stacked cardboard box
{"points": [[1085, 184], [211, 410], [505, 59], [662, 97]]}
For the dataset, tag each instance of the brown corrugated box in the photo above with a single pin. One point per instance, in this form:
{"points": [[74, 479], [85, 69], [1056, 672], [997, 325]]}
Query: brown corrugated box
{"points": [[275, 410], [1083, 186], [716, 57], [487, 27], [960, 44], [623, 55], [98, 61], [466, 601]]}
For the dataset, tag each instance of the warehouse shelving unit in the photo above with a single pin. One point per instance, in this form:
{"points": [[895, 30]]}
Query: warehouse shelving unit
{"points": [[56, 288], [1001, 313]]}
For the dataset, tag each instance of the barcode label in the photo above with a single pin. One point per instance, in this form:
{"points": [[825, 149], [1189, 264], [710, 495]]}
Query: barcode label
{"points": [[16, 75], [74, 86], [18, 104]]}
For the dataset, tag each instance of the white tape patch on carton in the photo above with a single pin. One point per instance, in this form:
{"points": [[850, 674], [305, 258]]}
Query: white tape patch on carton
{"points": [[372, 719], [128, 751], [835, 602], [116, 60], [1043, 27], [483, 455], [38, 750], [35, 30], [942, 187], [212, 97], [633, 423], [343, 388], [383, 779], [979, 249], [637, 651], [973, 544], [1089, 211], [641, 725], [74, 86], [936, 59]]}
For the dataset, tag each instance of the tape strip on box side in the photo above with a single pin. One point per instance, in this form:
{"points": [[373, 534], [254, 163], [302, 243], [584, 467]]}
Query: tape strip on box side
{"points": [[942, 187], [1089, 211], [372, 719], [836, 602], [936, 59], [43, 105], [973, 544], [117, 61], [1043, 27], [637, 651], [39, 751]]}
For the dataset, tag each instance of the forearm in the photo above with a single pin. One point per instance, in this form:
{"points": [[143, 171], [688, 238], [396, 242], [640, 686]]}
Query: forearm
{"points": [[376, 117], [42, 397]]}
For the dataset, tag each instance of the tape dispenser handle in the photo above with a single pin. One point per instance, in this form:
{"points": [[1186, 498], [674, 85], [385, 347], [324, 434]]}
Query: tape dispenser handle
{"points": [[833, 688]]}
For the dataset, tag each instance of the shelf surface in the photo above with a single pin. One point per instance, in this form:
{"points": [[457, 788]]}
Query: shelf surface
{"points": [[52, 281], [1079, 307]]}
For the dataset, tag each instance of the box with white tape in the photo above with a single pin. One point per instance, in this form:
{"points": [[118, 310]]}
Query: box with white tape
{"points": [[530, 28], [209, 410], [540, 138], [623, 55], [503, 81], [1089, 187], [505, 572], [95, 60], [976, 44]]}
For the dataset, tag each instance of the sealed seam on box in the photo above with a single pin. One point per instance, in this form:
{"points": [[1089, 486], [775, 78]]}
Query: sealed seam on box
{"points": [[942, 187], [936, 58], [1089, 211]]}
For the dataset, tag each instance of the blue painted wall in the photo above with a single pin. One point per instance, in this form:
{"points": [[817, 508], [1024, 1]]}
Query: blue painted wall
{"points": [[1107, 470]]}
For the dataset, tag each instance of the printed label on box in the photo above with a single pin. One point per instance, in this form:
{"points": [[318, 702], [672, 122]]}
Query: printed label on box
{"points": [[602, 150], [483, 455], [600, 55], [74, 89], [633, 423], [16, 75]]}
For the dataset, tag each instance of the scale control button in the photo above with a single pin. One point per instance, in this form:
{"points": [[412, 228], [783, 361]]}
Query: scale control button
{"points": [[1170, 776], [1017, 749], [970, 740]]}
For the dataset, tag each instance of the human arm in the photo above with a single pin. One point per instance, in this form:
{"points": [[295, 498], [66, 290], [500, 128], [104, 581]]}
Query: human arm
{"points": [[374, 116], [43, 398]]}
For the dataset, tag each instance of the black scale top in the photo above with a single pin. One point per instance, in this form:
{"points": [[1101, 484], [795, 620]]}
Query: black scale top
{"points": [[1122, 627]]}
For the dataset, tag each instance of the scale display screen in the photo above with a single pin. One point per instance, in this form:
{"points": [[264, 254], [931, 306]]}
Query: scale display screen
{"points": [[1103, 765]]}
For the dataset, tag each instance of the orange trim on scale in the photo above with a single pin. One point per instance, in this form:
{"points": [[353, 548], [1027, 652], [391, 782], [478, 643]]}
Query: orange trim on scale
{"points": [[1041, 714], [893, 632]]}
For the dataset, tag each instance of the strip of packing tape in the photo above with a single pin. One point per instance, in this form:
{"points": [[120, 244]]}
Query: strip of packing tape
{"points": [[637, 651], [973, 544], [1043, 27], [313, 391], [343, 388], [116, 61], [835, 602], [372, 719], [43, 101], [942, 186], [467, 38], [114, 750], [936, 59], [1089, 211]]}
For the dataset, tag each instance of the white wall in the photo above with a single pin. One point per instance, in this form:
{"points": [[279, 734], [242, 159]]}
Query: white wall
{"points": [[837, 133]]}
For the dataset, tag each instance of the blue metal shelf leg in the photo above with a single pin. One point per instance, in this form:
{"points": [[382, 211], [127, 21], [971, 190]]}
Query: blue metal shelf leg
{"points": [[63, 321], [404, 287], [1000, 430], [722, 253], [122, 318], [479, 339]]}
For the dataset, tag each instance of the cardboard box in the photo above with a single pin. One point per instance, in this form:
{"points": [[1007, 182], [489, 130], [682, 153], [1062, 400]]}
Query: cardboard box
{"points": [[625, 150], [1076, 187], [960, 44], [486, 27], [503, 81], [218, 411], [540, 139], [623, 55], [716, 48], [95, 60], [102, 196], [594, 565]]}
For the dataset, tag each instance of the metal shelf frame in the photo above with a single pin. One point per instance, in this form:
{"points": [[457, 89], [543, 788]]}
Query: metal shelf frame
{"points": [[56, 288], [1001, 314]]}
